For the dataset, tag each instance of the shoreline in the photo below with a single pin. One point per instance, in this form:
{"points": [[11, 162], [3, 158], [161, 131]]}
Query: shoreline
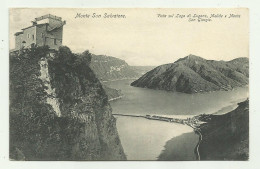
{"points": [[197, 132], [105, 81], [192, 93], [116, 98], [194, 123], [227, 135], [152, 140]]}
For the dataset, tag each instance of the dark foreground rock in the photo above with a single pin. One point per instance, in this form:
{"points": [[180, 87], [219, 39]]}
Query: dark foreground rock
{"points": [[194, 74], [226, 137], [59, 110]]}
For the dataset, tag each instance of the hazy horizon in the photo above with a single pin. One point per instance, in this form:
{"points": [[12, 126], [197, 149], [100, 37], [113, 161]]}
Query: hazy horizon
{"points": [[143, 39]]}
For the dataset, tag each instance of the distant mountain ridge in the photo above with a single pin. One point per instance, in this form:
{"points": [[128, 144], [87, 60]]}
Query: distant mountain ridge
{"points": [[109, 68], [193, 74], [143, 69]]}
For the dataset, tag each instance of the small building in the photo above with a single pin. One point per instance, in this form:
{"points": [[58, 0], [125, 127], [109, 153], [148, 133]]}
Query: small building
{"points": [[45, 30]]}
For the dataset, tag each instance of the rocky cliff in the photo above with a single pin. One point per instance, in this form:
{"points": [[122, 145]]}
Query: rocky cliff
{"points": [[109, 68], [194, 74], [59, 110], [225, 137]]}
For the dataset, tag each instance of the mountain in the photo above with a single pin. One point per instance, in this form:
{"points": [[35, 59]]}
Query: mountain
{"points": [[194, 74], [59, 109], [141, 70], [109, 68], [225, 137]]}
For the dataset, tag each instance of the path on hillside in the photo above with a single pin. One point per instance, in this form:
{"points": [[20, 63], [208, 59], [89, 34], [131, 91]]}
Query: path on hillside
{"points": [[198, 145]]}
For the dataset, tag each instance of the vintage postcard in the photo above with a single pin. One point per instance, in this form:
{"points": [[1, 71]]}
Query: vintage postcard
{"points": [[131, 84]]}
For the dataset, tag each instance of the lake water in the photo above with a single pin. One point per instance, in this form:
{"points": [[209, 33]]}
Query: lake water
{"points": [[144, 139], [148, 101]]}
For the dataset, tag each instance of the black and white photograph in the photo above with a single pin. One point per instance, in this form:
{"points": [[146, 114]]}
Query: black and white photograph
{"points": [[129, 84]]}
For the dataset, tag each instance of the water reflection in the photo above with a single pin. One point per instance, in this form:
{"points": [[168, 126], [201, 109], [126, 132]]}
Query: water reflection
{"points": [[144, 139]]}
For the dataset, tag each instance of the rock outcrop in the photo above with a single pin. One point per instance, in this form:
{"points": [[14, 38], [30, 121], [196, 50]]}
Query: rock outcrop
{"points": [[59, 109]]}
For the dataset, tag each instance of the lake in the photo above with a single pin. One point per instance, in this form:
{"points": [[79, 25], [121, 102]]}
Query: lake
{"points": [[144, 139], [148, 101]]}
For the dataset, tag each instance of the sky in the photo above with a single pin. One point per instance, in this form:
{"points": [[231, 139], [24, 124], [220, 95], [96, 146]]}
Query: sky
{"points": [[144, 39]]}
